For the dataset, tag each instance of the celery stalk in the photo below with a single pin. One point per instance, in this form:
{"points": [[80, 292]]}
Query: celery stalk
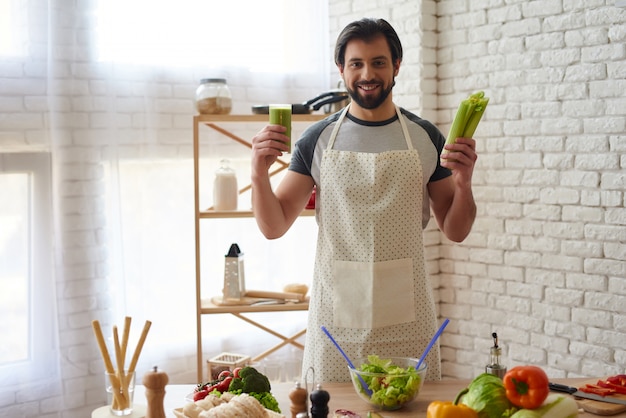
{"points": [[474, 118], [460, 120], [467, 116], [555, 406]]}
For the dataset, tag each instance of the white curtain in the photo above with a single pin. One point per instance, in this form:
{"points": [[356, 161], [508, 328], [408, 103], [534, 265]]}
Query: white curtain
{"points": [[104, 91]]}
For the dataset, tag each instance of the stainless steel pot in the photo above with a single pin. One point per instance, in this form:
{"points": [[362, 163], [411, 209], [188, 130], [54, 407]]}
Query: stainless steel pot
{"points": [[337, 106]]}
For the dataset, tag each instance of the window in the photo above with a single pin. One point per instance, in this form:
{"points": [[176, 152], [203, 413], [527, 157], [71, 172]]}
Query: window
{"points": [[26, 296], [156, 201], [12, 28], [14, 270]]}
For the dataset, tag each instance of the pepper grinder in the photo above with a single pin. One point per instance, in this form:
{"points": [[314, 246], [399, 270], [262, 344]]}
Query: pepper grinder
{"points": [[319, 403], [494, 367], [155, 382], [298, 396]]}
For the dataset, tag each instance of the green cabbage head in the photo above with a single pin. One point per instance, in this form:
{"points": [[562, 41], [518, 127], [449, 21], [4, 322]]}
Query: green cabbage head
{"points": [[487, 396]]}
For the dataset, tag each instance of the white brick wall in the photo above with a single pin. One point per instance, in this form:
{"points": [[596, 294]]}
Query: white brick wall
{"points": [[545, 266]]}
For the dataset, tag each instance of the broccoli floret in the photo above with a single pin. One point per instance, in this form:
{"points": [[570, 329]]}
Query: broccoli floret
{"points": [[256, 383], [235, 385], [250, 380], [243, 373]]}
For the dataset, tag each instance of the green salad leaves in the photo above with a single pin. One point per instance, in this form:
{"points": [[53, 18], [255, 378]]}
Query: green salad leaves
{"points": [[399, 386], [265, 398]]}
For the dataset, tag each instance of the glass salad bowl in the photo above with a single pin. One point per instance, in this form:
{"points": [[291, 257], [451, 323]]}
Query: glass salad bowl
{"points": [[387, 383]]}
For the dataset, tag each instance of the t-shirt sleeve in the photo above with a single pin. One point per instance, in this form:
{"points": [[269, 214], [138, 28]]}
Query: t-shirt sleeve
{"points": [[440, 172], [438, 141], [302, 155]]}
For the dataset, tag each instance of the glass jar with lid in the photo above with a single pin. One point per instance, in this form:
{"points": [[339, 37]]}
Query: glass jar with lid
{"points": [[213, 97]]}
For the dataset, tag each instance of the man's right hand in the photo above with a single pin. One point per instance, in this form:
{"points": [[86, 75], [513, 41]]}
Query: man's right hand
{"points": [[267, 145]]}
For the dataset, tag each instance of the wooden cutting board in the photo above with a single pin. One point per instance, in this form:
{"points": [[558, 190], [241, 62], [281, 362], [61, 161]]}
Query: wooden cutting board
{"points": [[600, 408], [257, 296], [244, 301]]}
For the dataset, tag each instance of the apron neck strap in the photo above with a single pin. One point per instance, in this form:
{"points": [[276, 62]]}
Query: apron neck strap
{"points": [[333, 135], [405, 130]]}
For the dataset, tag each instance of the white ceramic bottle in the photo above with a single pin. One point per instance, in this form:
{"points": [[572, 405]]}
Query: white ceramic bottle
{"points": [[225, 192]]}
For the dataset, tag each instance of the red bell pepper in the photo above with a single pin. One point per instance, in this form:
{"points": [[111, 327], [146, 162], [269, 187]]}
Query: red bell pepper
{"points": [[595, 389], [526, 386], [606, 384], [619, 380]]}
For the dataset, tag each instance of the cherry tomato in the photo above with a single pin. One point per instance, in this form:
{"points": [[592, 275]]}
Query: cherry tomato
{"points": [[224, 384], [200, 395], [223, 374], [236, 371]]}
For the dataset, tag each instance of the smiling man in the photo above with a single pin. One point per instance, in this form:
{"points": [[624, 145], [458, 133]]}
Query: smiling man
{"points": [[379, 172]]}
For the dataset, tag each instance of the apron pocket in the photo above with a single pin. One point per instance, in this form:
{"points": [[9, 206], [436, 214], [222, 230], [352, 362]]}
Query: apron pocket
{"points": [[373, 295]]}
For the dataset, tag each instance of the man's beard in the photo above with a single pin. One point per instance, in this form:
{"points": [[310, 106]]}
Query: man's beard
{"points": [[370, 102]]}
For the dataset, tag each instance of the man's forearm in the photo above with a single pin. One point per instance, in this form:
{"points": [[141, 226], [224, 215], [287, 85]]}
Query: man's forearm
{"points": [[267, 209], [461, 215]]}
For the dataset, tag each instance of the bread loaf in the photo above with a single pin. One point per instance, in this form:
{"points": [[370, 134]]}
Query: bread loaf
{"points": [[296, 288]]}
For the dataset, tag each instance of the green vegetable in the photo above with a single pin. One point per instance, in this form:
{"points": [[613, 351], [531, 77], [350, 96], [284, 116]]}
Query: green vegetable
{"points": [[250, 380], [248, 371], [467, 116], [255, 384], [265, 398], [555, 406], [487, 396], [398, 387]]}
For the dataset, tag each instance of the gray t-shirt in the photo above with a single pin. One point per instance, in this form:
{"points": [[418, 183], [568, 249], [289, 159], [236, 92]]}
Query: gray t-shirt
{"points": [[375, 137]]}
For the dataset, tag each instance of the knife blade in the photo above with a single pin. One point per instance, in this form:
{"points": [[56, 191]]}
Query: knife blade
{"points": [[557, 387]]}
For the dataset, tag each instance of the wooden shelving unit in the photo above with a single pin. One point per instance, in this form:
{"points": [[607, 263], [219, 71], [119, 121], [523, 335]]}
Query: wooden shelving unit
{"points": [[204, 306]]}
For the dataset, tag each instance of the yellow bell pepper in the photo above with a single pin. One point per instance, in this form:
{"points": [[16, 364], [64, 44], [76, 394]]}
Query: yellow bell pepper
{"points": [[441, 409]]}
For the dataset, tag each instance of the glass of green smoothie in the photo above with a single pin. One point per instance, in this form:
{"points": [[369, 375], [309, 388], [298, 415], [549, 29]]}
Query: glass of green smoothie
{"points": [[280, 114]]}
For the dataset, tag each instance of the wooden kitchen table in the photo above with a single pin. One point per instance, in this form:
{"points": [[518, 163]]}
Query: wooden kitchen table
{"points": [[343, 396]]}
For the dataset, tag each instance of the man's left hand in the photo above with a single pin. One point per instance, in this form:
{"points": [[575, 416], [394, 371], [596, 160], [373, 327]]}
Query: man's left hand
{"points": [[460, 158]]}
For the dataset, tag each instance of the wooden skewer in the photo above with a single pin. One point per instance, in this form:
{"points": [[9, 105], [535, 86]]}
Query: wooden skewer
{"points": [[142, 339], [125, 334], [108, 365], [115, 390], [120, 371], [103, 347], [120, 379]]}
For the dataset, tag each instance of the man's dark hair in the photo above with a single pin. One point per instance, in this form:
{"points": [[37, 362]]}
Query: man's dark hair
{"points": [[367, 29]]}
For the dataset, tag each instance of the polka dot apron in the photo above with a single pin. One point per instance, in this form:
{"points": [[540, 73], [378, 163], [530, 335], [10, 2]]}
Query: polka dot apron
{"points": [[370, 287]]}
